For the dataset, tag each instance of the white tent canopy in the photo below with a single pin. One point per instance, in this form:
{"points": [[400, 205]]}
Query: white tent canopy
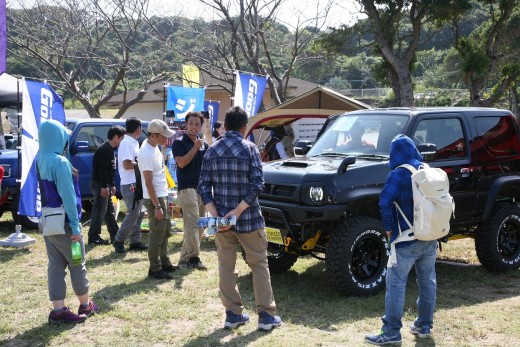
{"points": [[9, 91]]}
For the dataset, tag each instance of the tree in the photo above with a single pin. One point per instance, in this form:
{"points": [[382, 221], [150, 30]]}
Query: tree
{"points": [[88, 48], [489, 56], [397, 28], [246, 36]]}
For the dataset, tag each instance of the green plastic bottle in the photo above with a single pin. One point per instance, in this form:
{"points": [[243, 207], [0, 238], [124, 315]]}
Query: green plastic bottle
{"points": [[76, 253]]}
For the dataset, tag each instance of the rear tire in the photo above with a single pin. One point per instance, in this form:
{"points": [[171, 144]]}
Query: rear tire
{"points": [[497, 241], [357, 256]]}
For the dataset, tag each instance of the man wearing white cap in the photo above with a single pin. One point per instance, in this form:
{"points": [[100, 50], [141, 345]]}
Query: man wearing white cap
{"points": [[155, 194]]}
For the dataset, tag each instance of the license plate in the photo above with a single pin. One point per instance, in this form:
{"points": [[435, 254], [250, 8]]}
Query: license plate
{"points": [[274, 235]]}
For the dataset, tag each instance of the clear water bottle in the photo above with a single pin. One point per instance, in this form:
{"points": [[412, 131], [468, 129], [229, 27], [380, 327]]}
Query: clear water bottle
{"points": [[77, 256]]}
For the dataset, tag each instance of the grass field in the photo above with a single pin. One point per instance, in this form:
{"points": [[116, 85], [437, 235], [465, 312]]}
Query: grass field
{"points": [[474, 307]]}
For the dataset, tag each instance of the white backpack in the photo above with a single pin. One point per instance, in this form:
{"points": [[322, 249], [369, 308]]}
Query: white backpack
{"points": [[433, 206]]}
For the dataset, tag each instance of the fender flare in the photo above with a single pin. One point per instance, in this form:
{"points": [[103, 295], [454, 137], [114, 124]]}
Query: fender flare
{"points": [[509, 184]]}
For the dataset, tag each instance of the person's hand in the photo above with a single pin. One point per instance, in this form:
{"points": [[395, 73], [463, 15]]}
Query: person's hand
{"points": [[104, 192], [198, 144], [159, 214], [75, 238], [113, 190]]}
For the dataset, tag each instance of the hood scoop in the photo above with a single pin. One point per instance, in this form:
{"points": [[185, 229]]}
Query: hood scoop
{"points": [[298, 164]]}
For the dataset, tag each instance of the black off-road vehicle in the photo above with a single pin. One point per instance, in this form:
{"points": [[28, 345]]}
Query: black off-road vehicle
{"points": [[325, 204]]}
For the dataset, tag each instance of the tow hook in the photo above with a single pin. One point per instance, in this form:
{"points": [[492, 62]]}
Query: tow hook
{"points": [[311, 243]]}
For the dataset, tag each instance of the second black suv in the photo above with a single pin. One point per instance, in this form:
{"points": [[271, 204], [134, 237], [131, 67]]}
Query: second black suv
{"points": [[326, 203]]}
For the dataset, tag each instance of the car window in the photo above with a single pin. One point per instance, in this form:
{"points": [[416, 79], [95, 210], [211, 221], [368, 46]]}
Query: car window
{"points": [[498, 135], [445, 133], [94, 135]]}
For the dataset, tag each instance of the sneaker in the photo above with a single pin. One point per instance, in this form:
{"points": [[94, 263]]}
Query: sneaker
{"points": [[422, 332], [170, 268], [160, 275], [65, 315], [89, 310], [138, 246], [119, 247], [266, 322], [383, 339], [98, 241], [234, 320], [195, 263]]}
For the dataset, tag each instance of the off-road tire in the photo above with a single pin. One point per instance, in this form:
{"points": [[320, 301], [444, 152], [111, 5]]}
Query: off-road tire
{"points": [[497, 241], [279, 260], [357, 256]]}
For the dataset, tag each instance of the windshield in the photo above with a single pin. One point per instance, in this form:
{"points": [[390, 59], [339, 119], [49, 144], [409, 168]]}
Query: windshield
{"points": [[360, 135]]}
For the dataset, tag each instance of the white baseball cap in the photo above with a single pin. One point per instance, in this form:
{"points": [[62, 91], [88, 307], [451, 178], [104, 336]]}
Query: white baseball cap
{"points": [[157, 126]]}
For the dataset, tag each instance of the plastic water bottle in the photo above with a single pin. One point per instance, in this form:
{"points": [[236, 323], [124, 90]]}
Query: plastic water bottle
{"points": [[76, 253], [211, 222]]}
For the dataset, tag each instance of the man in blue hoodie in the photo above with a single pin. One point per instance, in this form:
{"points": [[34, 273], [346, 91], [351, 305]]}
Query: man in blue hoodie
{"points": [[59, 186], [421, 254]]}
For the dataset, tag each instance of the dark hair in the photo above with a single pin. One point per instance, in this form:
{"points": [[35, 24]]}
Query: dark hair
{"points": [[115, 130], [216, 126], [236, 118], [132, 124], [194, 114], [279, 132]]}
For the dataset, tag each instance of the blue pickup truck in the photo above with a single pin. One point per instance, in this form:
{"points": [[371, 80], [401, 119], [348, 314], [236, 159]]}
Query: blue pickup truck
{"points": [[86, 137]]}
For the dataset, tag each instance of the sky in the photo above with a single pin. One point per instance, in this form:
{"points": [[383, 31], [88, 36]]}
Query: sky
{"points": [[342, 11]]}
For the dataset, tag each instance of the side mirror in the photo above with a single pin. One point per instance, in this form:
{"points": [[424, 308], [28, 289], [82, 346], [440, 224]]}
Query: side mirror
{"points": [[427, 151], [301, 147], [81, 147]]}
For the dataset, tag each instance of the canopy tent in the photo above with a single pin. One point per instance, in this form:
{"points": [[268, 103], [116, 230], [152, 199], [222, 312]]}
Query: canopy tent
{"points": [[319, 102], [9, 91]]}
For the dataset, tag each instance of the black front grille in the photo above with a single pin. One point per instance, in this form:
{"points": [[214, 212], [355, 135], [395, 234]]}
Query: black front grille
{"points": [[280, 192]]}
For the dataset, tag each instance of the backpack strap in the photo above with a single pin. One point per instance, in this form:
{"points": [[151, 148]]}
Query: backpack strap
{"points": [[403, 236], [409, 168]]}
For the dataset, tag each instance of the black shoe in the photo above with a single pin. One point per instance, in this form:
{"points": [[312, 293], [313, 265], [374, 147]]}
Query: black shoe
{"points": [[160, 275], [119, 247], [138, 246], [170, 268], [195, 263], [98, 241]]}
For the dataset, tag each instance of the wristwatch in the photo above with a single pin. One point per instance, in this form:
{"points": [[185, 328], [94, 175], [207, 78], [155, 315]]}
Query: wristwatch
{"points": [[158, 207]]}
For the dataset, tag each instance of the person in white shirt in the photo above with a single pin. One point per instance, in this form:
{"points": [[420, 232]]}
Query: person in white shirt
{"points": [[126, 162], [155, 194]]}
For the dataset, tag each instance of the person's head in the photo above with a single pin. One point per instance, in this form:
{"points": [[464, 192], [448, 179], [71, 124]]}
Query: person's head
{"points": [[194, 121], [133, 126], [236, 119], [115, 135], [356, 132], [158, 132], [403, 151], [218, 129], [279, 132]]}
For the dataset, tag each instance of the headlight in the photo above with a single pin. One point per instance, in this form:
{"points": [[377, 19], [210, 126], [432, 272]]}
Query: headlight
{"points": [[316, 194]]}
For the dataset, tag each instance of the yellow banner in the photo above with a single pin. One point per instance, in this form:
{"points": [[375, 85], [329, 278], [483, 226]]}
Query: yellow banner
{"points": [[190, 76]]}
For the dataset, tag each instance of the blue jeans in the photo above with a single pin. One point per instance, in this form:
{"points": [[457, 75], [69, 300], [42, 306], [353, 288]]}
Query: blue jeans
{"points": [[422, 254]]}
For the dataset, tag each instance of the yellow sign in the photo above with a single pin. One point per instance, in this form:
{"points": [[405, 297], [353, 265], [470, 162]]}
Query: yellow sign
{"points": [[274, 235], [190, 76]]}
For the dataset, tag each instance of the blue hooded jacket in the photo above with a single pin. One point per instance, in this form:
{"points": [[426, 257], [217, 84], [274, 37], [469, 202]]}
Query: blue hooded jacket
{"points": [[398, 185], [60, 186]]}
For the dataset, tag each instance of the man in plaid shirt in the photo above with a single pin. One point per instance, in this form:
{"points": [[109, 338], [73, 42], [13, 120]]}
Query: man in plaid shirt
{"points": [[231, 179]]}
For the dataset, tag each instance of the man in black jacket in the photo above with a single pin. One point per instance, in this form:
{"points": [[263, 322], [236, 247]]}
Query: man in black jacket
{"points": [[102, 187]]}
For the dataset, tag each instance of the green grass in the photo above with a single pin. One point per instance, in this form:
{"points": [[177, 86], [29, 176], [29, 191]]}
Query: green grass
{"points": [[474, 307]]}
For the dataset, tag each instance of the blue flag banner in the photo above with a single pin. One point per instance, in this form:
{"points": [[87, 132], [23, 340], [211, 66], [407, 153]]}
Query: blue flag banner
{"points": [[249, 92], [213, 108], [3, 36], [40, 102], [182, 100]]}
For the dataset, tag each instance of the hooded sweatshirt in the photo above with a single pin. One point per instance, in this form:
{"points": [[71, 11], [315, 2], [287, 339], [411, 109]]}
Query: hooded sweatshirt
{"points": [[398, 185], [59, 185]]}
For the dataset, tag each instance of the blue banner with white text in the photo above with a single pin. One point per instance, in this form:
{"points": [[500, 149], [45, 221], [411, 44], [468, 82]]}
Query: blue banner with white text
{"points": [[182, 100], [40, 102], [249, 92]]}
